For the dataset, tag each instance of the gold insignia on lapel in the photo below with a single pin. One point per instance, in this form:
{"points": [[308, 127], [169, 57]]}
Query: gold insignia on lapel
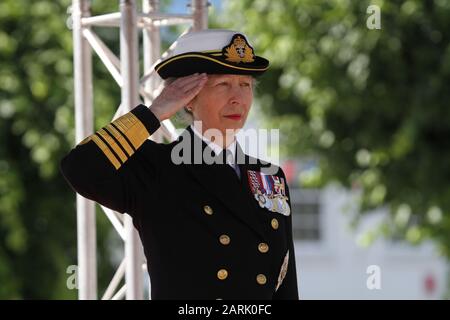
{"points": [[283, 271], [238, 50]]}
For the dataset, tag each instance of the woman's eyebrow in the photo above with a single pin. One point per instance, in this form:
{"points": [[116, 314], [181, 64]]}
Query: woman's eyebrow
{"points": [[221, 77]]}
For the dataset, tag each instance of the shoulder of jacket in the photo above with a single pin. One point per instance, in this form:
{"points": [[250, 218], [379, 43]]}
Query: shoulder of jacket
{"points": [[265, 166], [150, 146]]}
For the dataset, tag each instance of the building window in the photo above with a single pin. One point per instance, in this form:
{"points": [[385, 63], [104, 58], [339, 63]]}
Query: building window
{"points": [[306, 214]]}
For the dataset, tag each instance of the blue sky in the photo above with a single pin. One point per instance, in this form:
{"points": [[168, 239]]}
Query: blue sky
{"points": [[179, 6]]}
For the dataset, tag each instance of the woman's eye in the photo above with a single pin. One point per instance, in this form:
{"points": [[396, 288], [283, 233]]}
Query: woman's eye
{"points": [[222, 83], [245, 84]]}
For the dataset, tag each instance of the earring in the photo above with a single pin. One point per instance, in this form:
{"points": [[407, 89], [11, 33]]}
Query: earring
{"points": [[188, 109]]}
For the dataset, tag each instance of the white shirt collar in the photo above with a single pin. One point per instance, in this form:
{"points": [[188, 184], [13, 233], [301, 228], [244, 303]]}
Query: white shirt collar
{"points": [[216, 148]]}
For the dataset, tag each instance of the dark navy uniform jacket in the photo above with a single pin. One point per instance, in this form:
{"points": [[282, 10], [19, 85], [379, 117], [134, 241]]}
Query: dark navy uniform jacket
{"points": [[204, 234]]}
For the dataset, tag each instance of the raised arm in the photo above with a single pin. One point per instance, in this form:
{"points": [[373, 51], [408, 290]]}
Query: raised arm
{"points": [[107, 166]]}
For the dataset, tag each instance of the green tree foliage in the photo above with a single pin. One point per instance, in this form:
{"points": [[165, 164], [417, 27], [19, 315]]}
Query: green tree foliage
{"points": [[37, 207], [372, 105]]}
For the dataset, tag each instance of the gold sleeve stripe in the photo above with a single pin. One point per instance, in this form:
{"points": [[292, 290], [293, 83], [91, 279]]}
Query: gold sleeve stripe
{"points": [[108, 129], [132, 128], [109, 147], [85, 140], [121, 138], [116, 148], [106, 150]]}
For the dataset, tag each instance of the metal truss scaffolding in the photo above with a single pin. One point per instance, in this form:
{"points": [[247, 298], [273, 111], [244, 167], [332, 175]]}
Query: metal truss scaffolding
{"points": [[135, 89]]}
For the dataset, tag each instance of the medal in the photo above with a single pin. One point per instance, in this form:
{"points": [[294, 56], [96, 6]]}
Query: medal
{"points": [[284, 207], [269, 191], [261, 199], [270, 204]]}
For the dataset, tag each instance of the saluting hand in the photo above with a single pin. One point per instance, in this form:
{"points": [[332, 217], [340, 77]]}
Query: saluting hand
{"points": [[177, 95]]}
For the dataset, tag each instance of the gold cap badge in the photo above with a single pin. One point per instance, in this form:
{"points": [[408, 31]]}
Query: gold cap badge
{"points": [[238, 50]]}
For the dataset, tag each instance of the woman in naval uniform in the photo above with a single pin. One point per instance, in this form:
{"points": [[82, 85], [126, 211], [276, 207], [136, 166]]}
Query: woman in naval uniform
{"points": [[219, 229]]}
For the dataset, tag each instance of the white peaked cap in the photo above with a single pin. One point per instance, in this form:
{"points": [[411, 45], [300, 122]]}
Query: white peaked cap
{"points": [[214, 51]]}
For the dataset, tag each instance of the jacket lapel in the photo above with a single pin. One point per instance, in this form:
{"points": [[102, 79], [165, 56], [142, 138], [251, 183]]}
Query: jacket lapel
{"points": [[222, 181]]}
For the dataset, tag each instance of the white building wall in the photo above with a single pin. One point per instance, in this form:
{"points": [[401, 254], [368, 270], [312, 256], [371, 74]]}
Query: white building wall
{"points": [[336, 267]]}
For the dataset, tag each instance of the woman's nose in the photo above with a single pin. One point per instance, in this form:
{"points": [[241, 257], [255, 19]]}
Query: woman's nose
{"points": [[236, 94]]}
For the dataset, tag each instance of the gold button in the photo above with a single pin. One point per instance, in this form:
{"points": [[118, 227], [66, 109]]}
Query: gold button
{"points": [[224, 239], [263, 247], [261, 279], [274, 223], [222, 274], [208, 210]]}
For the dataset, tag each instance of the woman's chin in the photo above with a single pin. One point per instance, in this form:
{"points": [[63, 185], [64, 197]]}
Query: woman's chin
{"points": [[234, 128], [233, 124]]}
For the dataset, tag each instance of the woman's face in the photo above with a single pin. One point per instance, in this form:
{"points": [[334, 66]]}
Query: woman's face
{"points": [[224, 102]]}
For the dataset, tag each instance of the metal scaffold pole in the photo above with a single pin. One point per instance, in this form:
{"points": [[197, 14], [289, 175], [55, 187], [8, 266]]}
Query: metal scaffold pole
{"points": [[86, 228], [134, 90], [130, 76]]}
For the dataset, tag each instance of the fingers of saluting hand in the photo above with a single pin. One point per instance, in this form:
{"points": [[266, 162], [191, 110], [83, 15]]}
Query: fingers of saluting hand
{"points": [[194, 84], [177, 94], [185, 84], [180, 82]]}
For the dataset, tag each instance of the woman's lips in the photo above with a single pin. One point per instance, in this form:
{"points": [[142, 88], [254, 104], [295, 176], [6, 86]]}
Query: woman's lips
{"points": [[233, 116]]}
